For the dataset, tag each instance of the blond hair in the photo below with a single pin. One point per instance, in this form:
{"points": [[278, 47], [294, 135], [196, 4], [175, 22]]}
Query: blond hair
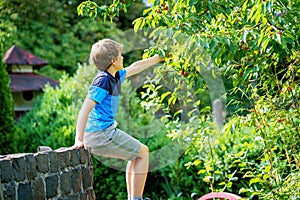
{"points": [[103, 52]]}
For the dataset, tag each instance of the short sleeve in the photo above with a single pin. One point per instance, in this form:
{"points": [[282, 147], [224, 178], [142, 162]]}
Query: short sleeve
{"points": [[122, 74], [97, 94]]}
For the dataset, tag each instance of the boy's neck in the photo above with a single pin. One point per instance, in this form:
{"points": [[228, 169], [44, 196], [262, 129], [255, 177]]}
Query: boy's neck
{"points": [[112, 71]]}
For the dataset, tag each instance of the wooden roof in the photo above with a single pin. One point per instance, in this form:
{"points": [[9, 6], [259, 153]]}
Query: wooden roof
{"points": [[21, 82], [19, 56]]}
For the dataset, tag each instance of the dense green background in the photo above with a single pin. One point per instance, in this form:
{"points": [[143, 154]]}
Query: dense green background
{"points": [[254, 46]]}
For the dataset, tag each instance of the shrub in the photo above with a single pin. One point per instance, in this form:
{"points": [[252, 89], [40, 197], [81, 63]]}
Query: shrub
{"points": [[7, 130], [52, 121]]}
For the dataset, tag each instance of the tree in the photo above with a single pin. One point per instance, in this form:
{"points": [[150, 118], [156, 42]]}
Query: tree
{"points": [[52, 30], [7, 129], [254, 47]]}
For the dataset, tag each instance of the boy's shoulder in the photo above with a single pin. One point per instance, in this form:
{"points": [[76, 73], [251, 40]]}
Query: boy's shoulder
{"points": [[102, 74], [101, 78]]}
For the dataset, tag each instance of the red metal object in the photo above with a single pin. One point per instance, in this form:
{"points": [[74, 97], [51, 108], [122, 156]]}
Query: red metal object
{"points": [[18, 56], [222, 195]]}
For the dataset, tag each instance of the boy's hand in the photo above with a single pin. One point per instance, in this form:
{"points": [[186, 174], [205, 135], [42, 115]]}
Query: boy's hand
{"points": [[78, 144], [160, 58], [162, 52]]}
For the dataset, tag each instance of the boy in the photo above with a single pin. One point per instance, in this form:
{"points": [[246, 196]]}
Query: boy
{"points": [[96, 127]]}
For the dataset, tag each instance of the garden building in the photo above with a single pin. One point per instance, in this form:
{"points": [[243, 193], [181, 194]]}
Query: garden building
{"points": [[24, 83]]}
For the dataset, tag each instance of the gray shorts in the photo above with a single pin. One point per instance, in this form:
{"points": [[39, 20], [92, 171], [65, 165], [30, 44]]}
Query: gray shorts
{"points": [[112, 142]]}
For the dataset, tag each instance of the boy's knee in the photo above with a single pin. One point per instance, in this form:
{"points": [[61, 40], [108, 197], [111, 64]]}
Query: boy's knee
{"points": [[144, 149]]}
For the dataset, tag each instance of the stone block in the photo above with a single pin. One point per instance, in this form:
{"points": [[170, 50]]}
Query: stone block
{"points": [[90, 157], [65, 183], [87, 180], [91, 194], [42, 162], [39, 189], [54, 166], [19, 168], [6, 171], [83, 196], [51, 186], [70, 197], [9, 191], [63, 159], [25, 191], [74, 157], [83, 155], [76, 176], [30, 166]]}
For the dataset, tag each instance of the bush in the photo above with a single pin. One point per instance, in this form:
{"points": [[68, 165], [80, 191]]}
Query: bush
{"points": [[254, 154], [52, 121], [7, 130]]}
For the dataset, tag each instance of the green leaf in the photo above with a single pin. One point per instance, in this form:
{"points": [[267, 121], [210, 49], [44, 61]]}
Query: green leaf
{"points": [[266, 176], [265, 44], [137, 24], [255, 180], [216, 53], [278, 36], [244, 190], [245, 5], [261, 36], [164, 95], [244, 36], [172, 100], [267, 168]]}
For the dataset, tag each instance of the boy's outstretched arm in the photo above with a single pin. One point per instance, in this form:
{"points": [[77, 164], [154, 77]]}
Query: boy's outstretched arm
{"points": [[141, 65], [83, 115]]}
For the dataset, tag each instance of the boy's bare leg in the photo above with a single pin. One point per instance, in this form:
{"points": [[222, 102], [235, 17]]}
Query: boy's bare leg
{"points": [[130, 165], [137, 173]]}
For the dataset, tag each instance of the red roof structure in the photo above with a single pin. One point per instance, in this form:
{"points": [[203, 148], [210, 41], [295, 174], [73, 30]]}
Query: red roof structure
{"points": [[18, 56], [26, 81], [21, 82]]}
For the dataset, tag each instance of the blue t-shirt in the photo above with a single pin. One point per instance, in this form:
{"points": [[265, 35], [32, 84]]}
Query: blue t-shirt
{"points": [[105, 91]]}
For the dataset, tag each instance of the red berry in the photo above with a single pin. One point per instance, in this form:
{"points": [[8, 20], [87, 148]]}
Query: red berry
{"points": [[245, 48], [166, 8], [280, 32], [124, 2], [159, 11]]}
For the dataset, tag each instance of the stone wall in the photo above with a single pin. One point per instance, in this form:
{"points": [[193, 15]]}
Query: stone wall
{"points": [[63, 174]]}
